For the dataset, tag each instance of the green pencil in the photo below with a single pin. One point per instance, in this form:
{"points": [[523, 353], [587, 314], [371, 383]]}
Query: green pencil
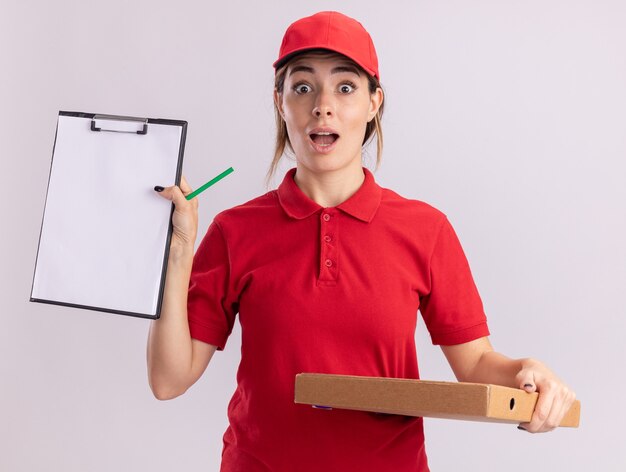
{"points": [[209, 183]]}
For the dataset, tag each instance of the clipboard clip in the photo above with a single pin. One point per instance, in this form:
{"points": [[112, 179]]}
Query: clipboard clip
{"points": [[119, 124]]}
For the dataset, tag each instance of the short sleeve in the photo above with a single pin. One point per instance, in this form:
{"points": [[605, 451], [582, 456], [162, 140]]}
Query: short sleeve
{"points": [[452, 310], [211, 304]]}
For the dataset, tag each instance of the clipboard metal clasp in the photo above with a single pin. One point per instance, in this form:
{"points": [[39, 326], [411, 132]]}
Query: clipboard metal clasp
{"points": [[119, 124]]}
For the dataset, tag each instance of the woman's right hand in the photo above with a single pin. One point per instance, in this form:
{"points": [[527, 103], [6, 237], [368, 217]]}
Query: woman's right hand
{"points": [[185, 216]]}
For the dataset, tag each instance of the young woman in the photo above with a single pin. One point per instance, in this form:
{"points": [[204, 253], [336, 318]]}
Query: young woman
{"points": [[327, 274]]}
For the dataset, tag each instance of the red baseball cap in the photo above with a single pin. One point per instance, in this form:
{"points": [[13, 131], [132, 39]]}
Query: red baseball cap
{"points": [[333, 31]]}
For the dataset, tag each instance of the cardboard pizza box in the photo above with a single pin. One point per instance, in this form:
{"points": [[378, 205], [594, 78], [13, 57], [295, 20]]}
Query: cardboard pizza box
{"points": [[453, 400]]}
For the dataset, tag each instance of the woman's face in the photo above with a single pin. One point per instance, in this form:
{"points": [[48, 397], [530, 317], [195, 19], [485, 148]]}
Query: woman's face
{"points": [[326, 105]]}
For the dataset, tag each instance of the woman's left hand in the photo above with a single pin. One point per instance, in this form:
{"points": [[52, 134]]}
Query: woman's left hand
{"points": [[555, 398]]}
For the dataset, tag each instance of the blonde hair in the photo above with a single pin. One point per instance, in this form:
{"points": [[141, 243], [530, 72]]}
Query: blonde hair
{"points": [[282, 143]]}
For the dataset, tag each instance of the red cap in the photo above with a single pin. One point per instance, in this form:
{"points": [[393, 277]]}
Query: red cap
{"points": [[333, 31]]}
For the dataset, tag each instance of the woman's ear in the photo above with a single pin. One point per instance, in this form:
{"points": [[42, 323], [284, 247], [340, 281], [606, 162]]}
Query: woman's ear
{"points": [[376, 101], [278, 101]]}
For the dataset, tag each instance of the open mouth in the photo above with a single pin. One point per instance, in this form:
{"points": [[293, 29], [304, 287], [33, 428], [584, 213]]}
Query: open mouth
{"points": [[324, 138]]}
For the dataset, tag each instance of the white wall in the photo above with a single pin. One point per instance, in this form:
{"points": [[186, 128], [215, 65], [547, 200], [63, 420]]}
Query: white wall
{"points": [[508, 116]]}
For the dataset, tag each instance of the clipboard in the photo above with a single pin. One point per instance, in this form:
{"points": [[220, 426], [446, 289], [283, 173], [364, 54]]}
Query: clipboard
{"points": [[425, 398], [105, 233]]}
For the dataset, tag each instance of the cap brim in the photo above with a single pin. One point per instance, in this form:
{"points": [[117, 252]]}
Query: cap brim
{"points": [[283, 60]]}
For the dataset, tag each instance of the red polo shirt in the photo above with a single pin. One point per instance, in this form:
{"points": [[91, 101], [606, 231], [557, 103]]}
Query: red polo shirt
{"points": [[328, 290]]}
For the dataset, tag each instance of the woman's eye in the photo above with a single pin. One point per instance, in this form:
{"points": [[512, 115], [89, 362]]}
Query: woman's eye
{"points": [[346, 88], [302, 88]]}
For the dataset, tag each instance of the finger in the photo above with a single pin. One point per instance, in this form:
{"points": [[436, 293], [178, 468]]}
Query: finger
{"points": [[526, 380], [184, 186], [178, 197], [555, 415], [173, 194], [165, 192], [542, 411], [568, 400]]}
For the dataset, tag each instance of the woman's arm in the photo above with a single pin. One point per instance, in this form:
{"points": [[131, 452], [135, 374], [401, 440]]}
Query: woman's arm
{"points": [[175, 360], [476, 361]]}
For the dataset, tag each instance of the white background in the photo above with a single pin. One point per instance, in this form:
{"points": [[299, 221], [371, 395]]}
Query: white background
{"points": [[508, 116]]}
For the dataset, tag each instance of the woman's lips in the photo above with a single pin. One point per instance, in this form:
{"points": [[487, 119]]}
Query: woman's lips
{"points": [[323, 140], [324, 143]]}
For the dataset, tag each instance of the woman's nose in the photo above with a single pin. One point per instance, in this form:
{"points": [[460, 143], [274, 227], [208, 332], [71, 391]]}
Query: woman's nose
{"points": [[322, 111], [323, 105]]}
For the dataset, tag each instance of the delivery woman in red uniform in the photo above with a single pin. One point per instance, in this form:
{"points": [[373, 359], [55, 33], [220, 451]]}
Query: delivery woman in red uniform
{"points": [[327, 274]]}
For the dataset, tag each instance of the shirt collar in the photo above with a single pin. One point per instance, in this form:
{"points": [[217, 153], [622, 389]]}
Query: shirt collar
{"points": [[362, 205]]}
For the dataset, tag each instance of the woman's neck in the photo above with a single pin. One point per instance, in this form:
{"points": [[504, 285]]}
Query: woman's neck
{"points": [[329, 189]]}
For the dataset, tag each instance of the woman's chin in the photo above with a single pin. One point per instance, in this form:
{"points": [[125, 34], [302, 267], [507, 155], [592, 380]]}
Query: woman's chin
{"points": [[328, 163]]}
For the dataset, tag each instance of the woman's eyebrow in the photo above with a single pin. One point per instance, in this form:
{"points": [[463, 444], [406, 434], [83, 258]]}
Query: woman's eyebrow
{"points": [[335, 70], [346, 68], [300, 69]]}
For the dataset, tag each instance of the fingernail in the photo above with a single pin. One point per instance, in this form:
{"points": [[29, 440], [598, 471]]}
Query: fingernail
{"points": [[158, 188], [522, 428]]}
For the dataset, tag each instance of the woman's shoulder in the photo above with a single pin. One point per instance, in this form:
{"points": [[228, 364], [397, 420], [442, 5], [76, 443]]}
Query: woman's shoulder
{"points": [[393, 202], [249, 211]]}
